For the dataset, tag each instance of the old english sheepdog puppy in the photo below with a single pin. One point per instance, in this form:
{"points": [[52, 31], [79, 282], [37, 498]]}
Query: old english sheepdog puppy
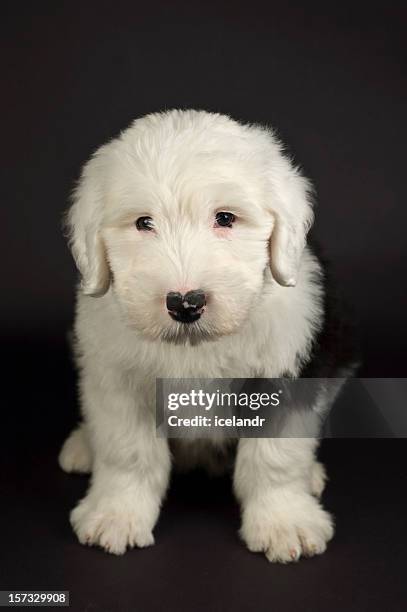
{"points": [[189, 231]]}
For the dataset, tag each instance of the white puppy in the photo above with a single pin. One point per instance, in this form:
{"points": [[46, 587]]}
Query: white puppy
{"points": [[190, 229]]}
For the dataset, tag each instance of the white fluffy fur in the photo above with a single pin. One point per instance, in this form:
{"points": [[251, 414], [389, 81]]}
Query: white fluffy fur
{"points": [[181, 167]]}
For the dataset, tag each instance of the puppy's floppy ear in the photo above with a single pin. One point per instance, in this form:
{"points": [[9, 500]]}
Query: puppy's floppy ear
{"points": [[292, 211], [83, 222]]}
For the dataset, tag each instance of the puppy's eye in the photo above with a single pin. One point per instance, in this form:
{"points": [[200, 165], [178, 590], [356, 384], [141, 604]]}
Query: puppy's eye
{"points": [[145, 224], [224, 219]]}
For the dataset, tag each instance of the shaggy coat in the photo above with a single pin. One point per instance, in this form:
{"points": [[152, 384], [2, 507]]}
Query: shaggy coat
{"points": [[147, 221]]}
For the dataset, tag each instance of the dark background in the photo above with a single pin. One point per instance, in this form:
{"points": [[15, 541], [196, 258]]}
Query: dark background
{"points": [[332, 79]]}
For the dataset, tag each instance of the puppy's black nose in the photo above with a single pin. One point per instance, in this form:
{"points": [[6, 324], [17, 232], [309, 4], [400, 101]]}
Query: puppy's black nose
{"points": [[186, 308]]}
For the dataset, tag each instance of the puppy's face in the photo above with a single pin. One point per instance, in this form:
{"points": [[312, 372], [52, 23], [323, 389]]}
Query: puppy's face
{"points": [[187, 261], [177, 215]]}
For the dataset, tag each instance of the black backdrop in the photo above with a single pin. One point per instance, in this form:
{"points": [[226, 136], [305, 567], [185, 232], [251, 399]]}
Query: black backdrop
{"points": [[332, 79]]}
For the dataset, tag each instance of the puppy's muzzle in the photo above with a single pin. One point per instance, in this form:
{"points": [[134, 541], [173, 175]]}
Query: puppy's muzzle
{"points": [[186, 308]]}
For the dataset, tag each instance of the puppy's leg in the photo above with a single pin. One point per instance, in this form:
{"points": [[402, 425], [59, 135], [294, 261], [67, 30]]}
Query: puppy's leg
{"points": [[280, 516], [130, 468], [76, 454]]}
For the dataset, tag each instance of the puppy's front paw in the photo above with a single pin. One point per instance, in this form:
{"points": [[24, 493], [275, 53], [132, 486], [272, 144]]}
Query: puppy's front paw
{"points": [[114, 525], [287, 526]]}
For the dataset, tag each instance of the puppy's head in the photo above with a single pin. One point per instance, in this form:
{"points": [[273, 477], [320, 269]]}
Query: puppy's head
{"points": [[182, 217]]}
